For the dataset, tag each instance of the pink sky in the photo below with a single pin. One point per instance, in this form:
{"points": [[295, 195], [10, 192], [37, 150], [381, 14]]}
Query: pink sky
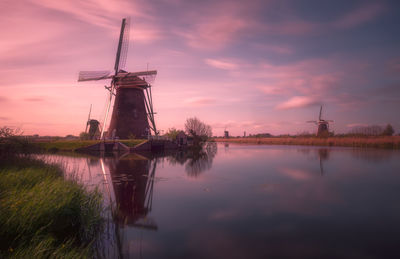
{"points": [[254, 66]]}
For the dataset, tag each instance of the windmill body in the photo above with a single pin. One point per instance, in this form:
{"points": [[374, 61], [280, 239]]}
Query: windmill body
{"points": [[323, 128], [129, 118], [133, 115], [93, 129], [93, 126]]}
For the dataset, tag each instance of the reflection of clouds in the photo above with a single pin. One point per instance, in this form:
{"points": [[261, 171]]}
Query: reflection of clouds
{"points": [[217, 243], [296, 174], [372, 155], [223, 214]]}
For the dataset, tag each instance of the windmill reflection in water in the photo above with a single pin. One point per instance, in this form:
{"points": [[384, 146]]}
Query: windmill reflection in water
{"points": [[130, 180]]}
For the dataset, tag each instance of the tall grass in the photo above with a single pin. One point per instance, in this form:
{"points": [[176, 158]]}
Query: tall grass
{"points": [[375, 142], [42, 215]]}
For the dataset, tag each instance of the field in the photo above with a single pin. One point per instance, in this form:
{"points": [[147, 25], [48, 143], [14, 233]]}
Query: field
{"points": [[373, 142]]}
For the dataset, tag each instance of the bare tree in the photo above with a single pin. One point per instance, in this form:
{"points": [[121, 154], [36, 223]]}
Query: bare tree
{"points": [[198, 129]]}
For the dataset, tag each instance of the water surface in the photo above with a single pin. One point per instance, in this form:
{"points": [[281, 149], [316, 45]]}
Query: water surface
{"points": [[248, 201]]}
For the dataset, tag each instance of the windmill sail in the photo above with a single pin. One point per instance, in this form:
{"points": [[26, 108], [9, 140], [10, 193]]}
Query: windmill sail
{"points": [[120, 61], [123, 43], [87, 123], [320, 113], [106, 115], [93, 75]]}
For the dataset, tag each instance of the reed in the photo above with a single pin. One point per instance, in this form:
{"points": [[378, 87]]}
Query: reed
{"points": [[43, 215], [387, 142]]}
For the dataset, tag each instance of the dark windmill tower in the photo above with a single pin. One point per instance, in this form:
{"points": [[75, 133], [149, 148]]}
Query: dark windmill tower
{"points": [[226, 133], [323, 125], [133, 114], [93, 126]]}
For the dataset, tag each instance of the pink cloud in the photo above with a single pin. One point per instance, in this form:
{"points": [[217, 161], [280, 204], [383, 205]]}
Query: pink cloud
{"points": [[225, 65], [393, 66], [359, 16], [3, 99], [279, 49], [34, 99], [295, 27], [199, 101], [297, 102], [216, 32], [98, 12]]}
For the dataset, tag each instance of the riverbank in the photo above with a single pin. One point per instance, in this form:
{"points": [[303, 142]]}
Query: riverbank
{"points": [[72, 145], [44, 215], [370, 142]]}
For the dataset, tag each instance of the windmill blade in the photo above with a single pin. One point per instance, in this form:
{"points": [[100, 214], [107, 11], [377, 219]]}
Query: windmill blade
{"points": [[87, 123], [108, 110], [90, 111], [93, 75], [311, 121], [329, 120], [141, 73], [320, 112], [123, 44]]}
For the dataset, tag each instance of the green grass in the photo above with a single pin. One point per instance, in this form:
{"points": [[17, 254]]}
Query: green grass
{"points": [[71, 145], [42, 215], [64, 145]]}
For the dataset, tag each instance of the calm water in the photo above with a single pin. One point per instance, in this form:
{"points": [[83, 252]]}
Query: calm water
{"points": [[245, 201]]}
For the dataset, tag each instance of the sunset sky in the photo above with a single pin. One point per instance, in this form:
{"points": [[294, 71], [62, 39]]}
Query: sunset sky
{"points": [[254, 66]]}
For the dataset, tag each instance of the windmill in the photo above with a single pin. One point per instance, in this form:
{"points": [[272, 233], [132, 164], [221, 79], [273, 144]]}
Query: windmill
{"points": [[323, 125], [93, 126], [132, 114]]}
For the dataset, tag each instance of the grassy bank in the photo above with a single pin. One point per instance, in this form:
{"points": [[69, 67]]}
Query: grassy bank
{"points": [[71, 145], [42, 215], [374, 142]]}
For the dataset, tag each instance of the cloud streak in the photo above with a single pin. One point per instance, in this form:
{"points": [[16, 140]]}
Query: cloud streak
{"points": [[298, 102], [363, 14]]}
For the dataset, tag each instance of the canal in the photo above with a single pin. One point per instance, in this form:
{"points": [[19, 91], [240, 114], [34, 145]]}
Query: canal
{"points": [[246, 201]]}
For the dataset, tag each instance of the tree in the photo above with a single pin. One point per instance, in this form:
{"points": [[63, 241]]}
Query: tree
{"points": [[388, 131], [198, 130], [172, 133]]}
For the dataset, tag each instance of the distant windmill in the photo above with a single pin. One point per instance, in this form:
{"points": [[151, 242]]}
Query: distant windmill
{"points": [[93, 126], [226, 133], [133, 105], [323, 125]]}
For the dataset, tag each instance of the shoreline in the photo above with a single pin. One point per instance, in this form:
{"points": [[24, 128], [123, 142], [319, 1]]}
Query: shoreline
{"points": [[385, 142]]}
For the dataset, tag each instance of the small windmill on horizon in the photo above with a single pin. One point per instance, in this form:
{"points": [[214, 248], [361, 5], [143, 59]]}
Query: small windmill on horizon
{"points": [[93, 126], [132, 114], [323, 125]]}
